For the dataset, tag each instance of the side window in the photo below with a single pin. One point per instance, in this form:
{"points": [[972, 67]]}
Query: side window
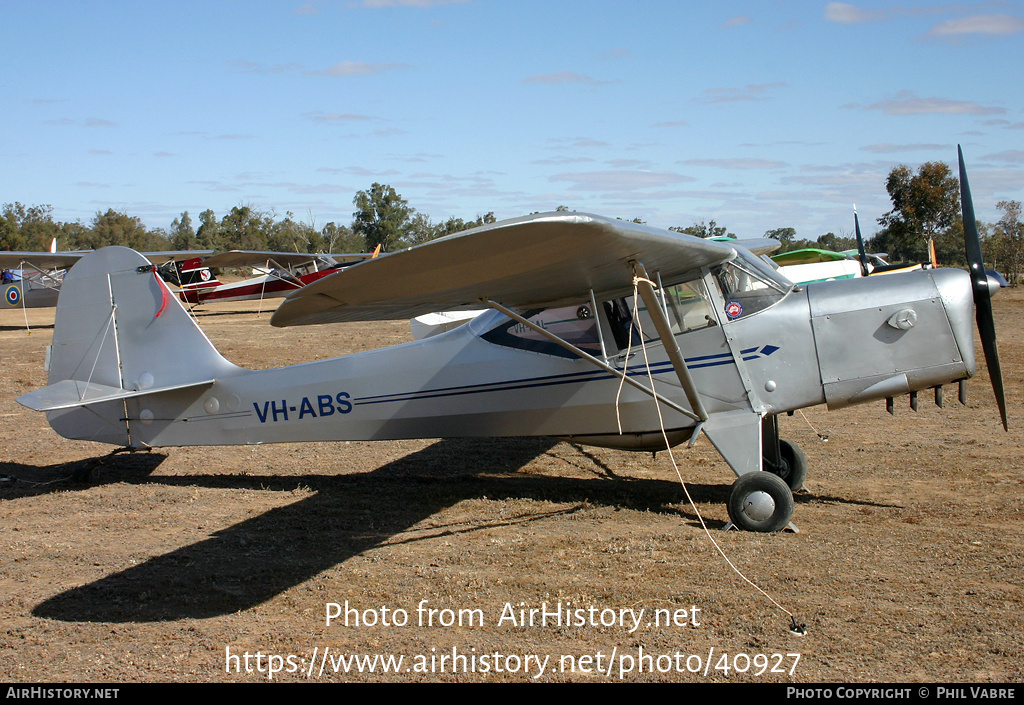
{"points": [[619, 313], [687, 307], [574, 324]]}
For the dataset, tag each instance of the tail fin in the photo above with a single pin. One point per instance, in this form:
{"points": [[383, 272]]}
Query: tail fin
{"points": [[119, 333]]}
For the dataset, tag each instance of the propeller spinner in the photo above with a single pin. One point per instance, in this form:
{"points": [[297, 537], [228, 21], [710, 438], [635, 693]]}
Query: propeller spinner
{"points": [[982, 292]]}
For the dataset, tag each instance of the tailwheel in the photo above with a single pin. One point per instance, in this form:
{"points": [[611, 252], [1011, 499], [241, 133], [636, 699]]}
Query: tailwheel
{"points": [[760, 501], [792, 465]]}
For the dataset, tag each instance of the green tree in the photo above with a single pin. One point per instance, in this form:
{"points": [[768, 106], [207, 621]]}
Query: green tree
{"points": [[1004, 250], [925, 205], [836, 243], [289, 235], [340, 239], [183, 235], [245, 228], [27, 227], [208, 234], [72, 236], [787, 236], [705, 230], [117, 228], [381, 216]]}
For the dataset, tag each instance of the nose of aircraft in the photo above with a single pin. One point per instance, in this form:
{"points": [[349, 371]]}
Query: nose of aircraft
{"points": [[955, 290]]}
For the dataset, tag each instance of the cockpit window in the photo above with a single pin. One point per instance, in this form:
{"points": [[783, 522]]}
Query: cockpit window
{"points": [[747, 287]]}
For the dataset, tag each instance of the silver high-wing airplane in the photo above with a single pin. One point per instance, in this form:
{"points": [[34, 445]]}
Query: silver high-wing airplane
{"points": [[722, 346], [34, 277]]}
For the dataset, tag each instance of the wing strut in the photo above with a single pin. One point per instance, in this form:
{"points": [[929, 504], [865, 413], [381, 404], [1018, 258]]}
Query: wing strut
{"points": [[661, 324], [606, 367]]}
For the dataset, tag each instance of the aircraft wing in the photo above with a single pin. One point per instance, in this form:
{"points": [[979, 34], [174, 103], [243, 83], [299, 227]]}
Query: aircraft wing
{"points": [[350, 256], [536, 261], [809, 255], [40, 260], [174, 255], [258, 258], [759, 246]]}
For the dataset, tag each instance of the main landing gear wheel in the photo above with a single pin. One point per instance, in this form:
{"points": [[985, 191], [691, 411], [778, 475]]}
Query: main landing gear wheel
{"points": [[792, 467], [760, 501]]}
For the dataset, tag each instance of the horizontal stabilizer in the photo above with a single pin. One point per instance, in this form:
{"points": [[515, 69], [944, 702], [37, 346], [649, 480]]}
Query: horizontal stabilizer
{"points": [[70, 393], [536, 261]]}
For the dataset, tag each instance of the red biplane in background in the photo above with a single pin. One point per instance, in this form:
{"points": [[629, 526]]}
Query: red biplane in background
{"points": [[282, 273]]}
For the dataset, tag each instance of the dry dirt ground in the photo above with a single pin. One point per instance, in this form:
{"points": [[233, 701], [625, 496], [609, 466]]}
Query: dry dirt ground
{"points": [[172, 565]]}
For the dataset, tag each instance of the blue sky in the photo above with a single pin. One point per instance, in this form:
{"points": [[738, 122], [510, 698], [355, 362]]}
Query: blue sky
{"points": [[754, 114]]}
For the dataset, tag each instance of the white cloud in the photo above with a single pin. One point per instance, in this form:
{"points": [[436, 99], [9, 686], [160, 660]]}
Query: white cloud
{"points": [[256, 67], [732, 95], [978, 24], [560, 77], [410, 3], [1006, 124], [907, 103], [356, 68], [619, 180], [845, 13], [884, 147], [1012, 156], [333, 118], [737, 163], [563, 160]]}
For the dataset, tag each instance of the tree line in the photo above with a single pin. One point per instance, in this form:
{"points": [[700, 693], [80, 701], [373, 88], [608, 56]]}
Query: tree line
{"points": [[926, 206], [382, 218]]}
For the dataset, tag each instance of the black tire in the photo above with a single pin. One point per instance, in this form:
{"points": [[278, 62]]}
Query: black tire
{"points": [[761, 501], [792, 467]]}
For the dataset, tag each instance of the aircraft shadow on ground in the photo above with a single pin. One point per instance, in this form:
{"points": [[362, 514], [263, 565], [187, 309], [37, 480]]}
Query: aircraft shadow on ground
{"points": [[23, 480], [43, 326], [255, 560]]}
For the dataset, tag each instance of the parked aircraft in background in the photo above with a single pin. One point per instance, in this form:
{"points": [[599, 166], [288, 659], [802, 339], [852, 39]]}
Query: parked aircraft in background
{"points": [[283, 273], [33, 279]]}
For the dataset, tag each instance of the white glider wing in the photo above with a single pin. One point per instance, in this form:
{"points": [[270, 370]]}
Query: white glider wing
{"points": [[536, 261]]}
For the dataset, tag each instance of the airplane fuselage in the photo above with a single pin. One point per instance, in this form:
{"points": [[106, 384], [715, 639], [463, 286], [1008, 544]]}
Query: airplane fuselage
{"points": [[836, 343]]}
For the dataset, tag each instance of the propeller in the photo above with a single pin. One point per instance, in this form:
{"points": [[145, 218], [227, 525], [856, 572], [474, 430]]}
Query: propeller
{"points": [[864, 269], [982, 293]]}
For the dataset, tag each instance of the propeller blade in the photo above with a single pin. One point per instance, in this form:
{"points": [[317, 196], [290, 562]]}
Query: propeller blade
{"points": [[982, 295], [860, 245]]}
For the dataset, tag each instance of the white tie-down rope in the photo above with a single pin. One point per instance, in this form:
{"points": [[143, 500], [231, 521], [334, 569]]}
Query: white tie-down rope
{"points": [[668, 445]]}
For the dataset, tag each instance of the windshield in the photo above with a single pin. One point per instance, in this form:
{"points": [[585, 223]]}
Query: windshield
{"points": [[748, 286]]}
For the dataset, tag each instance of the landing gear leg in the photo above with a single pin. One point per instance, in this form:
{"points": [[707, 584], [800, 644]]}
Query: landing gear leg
{"points": [[782, 458]]}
